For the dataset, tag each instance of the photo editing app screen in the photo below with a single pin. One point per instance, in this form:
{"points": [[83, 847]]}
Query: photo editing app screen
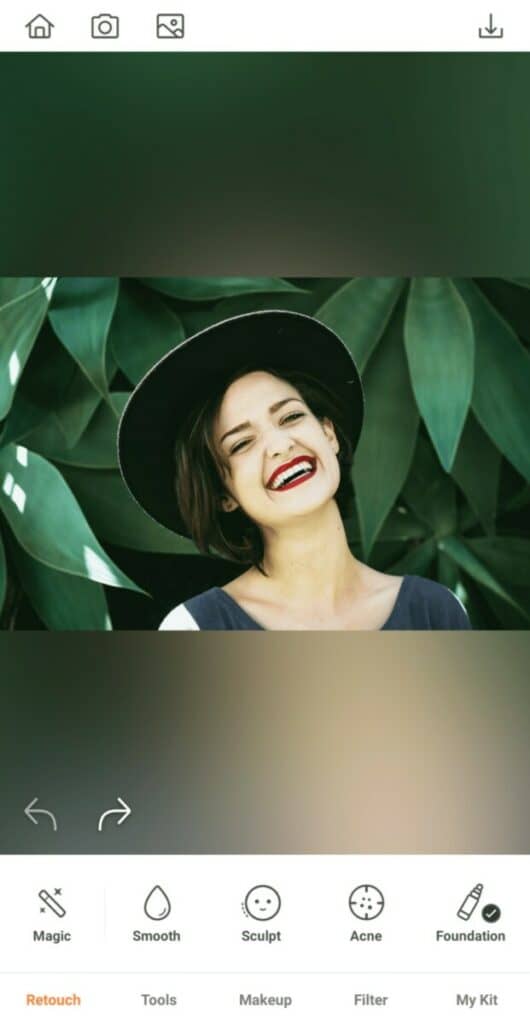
{"points": [[264, 368]]}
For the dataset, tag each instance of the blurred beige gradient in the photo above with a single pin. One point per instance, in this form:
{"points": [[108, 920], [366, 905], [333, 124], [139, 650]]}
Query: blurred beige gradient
{"points": [[403, 743]]}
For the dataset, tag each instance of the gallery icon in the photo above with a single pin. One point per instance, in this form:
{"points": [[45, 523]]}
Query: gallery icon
{"points": [[366, 902], [39, 27], [170, 26], [105, 26], [262, 902]]}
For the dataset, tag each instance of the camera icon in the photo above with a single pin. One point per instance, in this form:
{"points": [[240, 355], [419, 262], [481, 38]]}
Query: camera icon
{"points": [[105, 26]]}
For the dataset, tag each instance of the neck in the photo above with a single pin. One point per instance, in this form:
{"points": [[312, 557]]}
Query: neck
{"points": [[311, 557]]}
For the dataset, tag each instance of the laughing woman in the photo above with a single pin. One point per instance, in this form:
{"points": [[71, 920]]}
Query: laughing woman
{"points": [[242, 438]]}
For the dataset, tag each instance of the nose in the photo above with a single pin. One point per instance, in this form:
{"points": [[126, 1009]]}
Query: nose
{"points": [[278, 442]]}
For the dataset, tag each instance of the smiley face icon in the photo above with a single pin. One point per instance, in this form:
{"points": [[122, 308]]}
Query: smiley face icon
{"points": [[262, 903]]}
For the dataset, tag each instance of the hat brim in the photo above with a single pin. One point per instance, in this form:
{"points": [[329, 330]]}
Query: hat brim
{"points": [[197, 369]]}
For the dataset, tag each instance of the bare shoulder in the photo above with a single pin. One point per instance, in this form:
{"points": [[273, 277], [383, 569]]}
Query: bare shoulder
{"points": [[241, 586], [380, 582]]}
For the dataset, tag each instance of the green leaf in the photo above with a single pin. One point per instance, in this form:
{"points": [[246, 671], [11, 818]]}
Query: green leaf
{"points": [[523, 282], [47, 521], [384, 553], [501, 395], [475, 600], [321, 288], [195, 319], [3, 574], [14, 287], [80, 313], [359, 313], [417, 561], [143, 330], [385, 450], [114, 514], [62, 601], [448, 571], [512, 303], [430, 492], [440, 350], [46, 377], [507, 616], [74, 412], [204, 289], [507, 557], [96, 449], [302, 302], [517, 501], [400, 524], [476, 470], [461, 553], [21, 319]]}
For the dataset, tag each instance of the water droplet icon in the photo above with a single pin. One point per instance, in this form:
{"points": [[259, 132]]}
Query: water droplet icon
{"points": [[157, 905]]}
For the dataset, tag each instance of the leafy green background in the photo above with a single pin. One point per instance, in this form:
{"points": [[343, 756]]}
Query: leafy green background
{"points": [[441, 475]]}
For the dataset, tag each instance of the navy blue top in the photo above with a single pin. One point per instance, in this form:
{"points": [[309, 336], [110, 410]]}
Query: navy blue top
{"points": [[420, 604]]}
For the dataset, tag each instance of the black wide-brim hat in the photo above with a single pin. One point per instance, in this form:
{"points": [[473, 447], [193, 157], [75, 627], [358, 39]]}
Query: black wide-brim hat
{"points": [[198, 368]]}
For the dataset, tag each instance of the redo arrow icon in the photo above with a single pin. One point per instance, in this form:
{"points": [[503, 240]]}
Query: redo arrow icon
{"points": [[123, 812]]}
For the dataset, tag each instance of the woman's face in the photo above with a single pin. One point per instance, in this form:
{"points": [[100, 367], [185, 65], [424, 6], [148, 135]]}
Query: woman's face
{"points": [[281, 460]]}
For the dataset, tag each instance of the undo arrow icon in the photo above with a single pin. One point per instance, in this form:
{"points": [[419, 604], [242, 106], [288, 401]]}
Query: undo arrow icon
{"points": [[30, 811]]}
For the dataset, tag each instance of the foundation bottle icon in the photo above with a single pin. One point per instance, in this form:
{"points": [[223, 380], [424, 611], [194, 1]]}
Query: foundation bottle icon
{"points": [[470, 903]]}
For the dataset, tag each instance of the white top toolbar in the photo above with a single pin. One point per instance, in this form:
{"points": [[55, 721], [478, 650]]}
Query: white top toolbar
{"points": [[279, 25]]}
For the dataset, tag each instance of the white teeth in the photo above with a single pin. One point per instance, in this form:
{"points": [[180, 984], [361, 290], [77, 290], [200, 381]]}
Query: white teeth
{"points": [[288, 474]]}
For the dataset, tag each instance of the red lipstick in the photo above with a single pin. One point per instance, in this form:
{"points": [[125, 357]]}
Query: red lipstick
{"points": [[292, 473]]}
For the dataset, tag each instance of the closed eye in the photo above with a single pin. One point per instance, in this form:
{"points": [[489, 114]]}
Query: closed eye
{"points": [[240, 445], [291, 417]]}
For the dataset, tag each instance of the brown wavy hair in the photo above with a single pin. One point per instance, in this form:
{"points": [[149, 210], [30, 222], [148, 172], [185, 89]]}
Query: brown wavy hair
{"points": [[199, 485]]}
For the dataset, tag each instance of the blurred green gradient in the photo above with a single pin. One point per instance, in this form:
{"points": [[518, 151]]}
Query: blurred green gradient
{"points": [[293, 163]]}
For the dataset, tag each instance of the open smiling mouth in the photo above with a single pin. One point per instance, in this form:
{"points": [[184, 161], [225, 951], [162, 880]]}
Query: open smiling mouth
{"points": [[292, 473]]}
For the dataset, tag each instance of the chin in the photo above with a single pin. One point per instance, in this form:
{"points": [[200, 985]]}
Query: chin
{"points": [[304, 507]]}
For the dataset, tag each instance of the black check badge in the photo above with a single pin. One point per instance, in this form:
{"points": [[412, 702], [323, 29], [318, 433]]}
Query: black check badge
{"points": [[170, 26]]}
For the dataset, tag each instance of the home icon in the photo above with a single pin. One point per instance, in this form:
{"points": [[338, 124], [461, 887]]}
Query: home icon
{"points": [[39, 27]]}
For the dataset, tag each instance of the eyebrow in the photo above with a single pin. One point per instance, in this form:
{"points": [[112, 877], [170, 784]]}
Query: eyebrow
{"points": [[272, 408]]}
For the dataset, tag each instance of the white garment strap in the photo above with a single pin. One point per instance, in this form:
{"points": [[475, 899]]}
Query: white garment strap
{"points": [[179, 618]]}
